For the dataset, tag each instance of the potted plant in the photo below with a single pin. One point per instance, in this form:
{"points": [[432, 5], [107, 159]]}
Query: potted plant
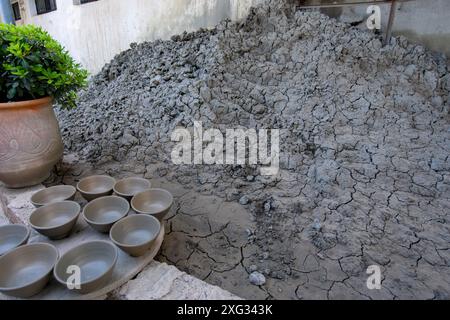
{"points": [[36, 71]]}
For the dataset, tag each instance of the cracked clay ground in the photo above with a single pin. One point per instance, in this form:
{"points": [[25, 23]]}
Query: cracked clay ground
{"points": [[364, 166], [212, 239]]}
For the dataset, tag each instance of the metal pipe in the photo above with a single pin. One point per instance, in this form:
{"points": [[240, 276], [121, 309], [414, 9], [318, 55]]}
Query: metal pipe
{"points": [[387, 38], [6, 13]]}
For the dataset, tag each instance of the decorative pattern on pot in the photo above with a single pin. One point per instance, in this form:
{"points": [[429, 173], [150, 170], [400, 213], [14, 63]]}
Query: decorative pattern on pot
{"points": [[30, 142]]}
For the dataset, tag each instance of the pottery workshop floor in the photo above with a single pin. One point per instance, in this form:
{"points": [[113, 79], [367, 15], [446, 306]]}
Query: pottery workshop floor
{"points": [[364, 154], [211, 239]]}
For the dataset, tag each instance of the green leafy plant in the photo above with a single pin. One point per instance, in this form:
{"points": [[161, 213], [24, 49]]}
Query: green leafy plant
{"points": [[33, 65]]}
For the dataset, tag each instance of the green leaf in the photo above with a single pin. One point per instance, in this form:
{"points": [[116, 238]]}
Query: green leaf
{"points": [[34, 65], [11, 93]]}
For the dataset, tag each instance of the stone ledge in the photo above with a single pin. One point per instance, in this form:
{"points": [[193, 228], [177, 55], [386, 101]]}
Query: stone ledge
{"points": [[3, 218], [15, 203], [158, 281]]}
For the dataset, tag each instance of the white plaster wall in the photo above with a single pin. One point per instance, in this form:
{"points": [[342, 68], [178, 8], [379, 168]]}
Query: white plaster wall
{"points": [[95, 32], [425, 22]]}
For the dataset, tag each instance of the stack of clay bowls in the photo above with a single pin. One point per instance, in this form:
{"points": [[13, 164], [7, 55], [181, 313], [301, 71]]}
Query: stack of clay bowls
{"points": [[25, 269], [109, 208], [56, 213]]}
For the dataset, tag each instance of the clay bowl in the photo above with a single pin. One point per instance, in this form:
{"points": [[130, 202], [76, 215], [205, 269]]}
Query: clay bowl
{"points": [[96, 260], [103, 212], [52, 195], [55, 220], [94, 187], [26, 270], [156, 202], [128, 187], [135, 234], [12, 236]]}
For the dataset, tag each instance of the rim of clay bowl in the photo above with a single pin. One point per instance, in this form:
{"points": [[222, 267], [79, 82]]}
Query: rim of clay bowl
{"points": [[131, 178], [35, 227], [42, 277], [40, 204], [152, 213], [95, 176], [138, 244], [102, 198], [22, 241], [110, 267]]}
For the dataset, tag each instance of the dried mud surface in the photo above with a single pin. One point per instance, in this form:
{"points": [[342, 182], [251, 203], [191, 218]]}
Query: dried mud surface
{"points": [[365, 166]]}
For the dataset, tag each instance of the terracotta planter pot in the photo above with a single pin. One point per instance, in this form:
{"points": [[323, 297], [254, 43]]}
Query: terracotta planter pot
{"points": [[30, 142]]}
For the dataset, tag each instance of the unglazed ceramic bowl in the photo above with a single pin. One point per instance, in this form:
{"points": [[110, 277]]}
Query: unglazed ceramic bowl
{"points": [[55, 220], [52, 195], [96, 260], [155, 202], [103, 212], [12, 236], [94, 187], [129, 187], [135, 234], [26, 270]]}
